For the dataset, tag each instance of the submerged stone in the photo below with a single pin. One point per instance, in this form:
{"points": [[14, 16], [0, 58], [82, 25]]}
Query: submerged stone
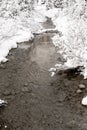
{"points": [[79, 91], [82, 86]]}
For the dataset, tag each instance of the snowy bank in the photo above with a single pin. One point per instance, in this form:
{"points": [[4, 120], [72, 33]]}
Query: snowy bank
{"points": [[71, 21], [18, 29]]}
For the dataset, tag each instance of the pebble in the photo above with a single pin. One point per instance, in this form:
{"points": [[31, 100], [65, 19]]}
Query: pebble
{"points": [[5, 126], [2, 66], [13, 92], [82, 86], [26, 84], [6, 93], [79, 91], [10, 53], [83, 126], [25, 89], [71, 123], [23, 101], [61, 96]]}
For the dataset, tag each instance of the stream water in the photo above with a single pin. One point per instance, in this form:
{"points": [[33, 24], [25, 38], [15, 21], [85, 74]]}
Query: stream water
{"points": [[37, 101]]}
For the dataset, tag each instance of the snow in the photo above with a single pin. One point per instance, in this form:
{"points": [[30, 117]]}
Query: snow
{"points": [[52, 74], [71, 21], [18, 29], [2, 102], [10, 35], [52, 70], [84, 101]]}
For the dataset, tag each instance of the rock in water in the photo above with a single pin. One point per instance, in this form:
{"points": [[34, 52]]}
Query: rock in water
{"points": [[84, 101], [82, 86], [79, 91]]}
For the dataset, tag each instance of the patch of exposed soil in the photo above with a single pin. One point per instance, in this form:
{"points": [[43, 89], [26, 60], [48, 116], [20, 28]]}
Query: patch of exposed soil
{"points": [[37, 101]]}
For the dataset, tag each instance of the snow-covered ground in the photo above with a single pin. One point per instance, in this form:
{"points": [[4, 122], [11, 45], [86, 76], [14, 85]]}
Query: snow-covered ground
{"points": [[18, 29]]}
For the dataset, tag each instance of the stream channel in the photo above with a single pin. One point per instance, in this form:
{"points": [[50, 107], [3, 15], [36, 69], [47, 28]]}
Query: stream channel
{"points": [[37, 101]]}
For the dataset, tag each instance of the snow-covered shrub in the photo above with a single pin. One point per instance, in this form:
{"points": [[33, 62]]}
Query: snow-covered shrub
{"points": [[15, 7], [72, 22], [54, 4]]}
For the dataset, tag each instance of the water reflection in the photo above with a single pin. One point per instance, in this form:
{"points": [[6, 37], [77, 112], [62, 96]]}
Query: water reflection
{"points": [[40, 51], [43, 50], [45, 38]]}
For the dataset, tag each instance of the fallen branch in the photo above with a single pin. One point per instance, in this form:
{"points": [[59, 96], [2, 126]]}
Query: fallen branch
{"points": [[48, 31]]}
